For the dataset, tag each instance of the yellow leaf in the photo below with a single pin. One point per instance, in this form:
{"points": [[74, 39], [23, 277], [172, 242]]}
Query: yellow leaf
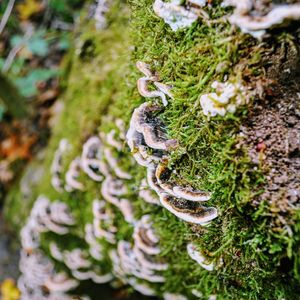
{"points": [[29, 8], [9, 291]]}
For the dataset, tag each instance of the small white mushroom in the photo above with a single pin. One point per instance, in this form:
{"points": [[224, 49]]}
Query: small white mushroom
{"points": [[174, 14], [130, 264], [81, 275], [199, 257], [121, 126], [147, 262], [61, 214]]}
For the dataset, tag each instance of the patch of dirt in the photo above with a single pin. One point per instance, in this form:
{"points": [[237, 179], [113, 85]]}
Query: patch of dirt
{"points": [[271, 135]]}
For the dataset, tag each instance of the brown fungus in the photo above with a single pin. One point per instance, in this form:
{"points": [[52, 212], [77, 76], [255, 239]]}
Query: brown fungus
{"points": [[188, 211]]}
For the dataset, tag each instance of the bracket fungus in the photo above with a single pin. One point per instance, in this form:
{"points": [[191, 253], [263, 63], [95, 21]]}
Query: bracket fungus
{"points": [[72, 175], [188, 211], [132, 266], [55, 252], [169, 296], [162, 174], [145, 133], [103, 216], [147, 195], [112, 141], [39, 279], [174, 14], [255, 22], [60, 282], [95, 249], [114, 164], [143, 82], [57, 167], [199, 257], [227, 97], [76, 259], [92, 159]]}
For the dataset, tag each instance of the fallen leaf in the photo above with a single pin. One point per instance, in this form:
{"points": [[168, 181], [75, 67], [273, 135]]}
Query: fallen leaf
{"points": [[9, 291], [29, 8]]}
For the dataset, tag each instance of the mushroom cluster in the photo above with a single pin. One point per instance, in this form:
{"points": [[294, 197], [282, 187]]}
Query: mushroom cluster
{"points": [[256, 17], [39, 279], [226, 98], [137, 263], [149, 144], [176, 15]]}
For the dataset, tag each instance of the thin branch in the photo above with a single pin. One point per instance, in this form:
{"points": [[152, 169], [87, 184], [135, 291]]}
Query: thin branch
{"points": [[6, 15], [14, 51]]}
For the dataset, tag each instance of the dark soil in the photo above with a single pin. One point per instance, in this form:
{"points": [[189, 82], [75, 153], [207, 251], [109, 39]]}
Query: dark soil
{"points": [[271, 134]]}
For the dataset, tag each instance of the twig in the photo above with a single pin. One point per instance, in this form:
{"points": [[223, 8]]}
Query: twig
{"points": [[6, 15], [14, 51]]}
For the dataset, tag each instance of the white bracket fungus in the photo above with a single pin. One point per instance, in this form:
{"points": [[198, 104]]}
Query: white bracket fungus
{"points": [[147, 195], [174, 14], [60, 282], [188, 211], [92, 159], [199, 257], [72, 175], [95, 249], [256, 24], [114, 164], [227, 97], [169, 296], [76, 259], [57, 167]]}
